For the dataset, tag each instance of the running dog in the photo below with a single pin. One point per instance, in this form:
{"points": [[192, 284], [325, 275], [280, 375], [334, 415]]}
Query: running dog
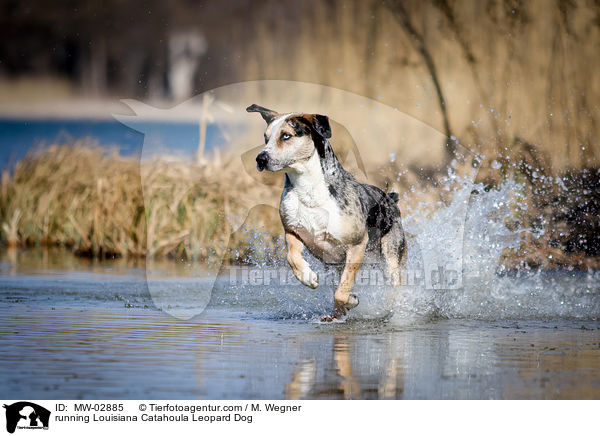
{"points": [[325, 209]]}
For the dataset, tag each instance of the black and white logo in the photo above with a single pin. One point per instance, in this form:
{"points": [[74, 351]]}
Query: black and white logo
{"points": [[26, 415]]}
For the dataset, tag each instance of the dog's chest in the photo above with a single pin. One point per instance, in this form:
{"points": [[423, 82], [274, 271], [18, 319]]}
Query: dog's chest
{"points": [[318, 215], [316, 218]]}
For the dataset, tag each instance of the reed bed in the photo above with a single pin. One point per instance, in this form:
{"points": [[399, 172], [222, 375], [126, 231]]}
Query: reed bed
{"points": [[92, 200], [102, 204]]}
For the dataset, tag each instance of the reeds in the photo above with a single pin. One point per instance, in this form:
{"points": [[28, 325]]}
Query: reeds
{"points": [[102, 204], [89, 198], [78, 196]]}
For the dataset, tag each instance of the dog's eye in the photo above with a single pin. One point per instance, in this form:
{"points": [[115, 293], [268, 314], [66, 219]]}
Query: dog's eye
{"points": [[286, 136]]}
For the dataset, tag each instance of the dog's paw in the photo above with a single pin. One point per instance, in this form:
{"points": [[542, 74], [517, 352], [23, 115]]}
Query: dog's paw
{"points": [[352, 302], [310, 279], [332, 319]]}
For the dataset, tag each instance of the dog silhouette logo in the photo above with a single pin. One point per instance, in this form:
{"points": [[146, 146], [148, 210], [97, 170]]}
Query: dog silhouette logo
{"points": [[26, 415]]}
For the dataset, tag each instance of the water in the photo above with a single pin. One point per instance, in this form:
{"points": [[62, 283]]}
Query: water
{"points": [[459, 327], [75, 328], [18, 136]]}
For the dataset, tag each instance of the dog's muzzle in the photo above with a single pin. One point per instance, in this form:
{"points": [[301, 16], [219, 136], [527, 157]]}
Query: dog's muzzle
{"points": [[261, 161]]}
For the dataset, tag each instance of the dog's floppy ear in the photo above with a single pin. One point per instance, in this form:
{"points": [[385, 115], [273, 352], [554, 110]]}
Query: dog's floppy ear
{"points": [[321, 125], [267, 114], [320, 128]]}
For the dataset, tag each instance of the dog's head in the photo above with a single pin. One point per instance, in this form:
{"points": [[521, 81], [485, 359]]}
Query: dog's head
{"points": [[290, 138]]}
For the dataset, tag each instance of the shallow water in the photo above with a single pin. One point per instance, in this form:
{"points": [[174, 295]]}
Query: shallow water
{"points": [[72, 328]]}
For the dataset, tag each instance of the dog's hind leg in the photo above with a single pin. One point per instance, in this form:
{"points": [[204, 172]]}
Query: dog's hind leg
{"points": [[342, 297], [393, 249], [299, 266]]}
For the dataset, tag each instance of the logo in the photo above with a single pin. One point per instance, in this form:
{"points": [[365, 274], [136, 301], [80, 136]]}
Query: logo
{"points": [[26, 415]]}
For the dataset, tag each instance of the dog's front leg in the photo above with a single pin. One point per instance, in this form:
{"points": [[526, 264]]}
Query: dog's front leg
{"points": [[342, 297], [300, 266]]}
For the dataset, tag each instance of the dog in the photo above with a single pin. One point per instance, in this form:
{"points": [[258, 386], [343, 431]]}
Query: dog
{"points": [[324, 209]]}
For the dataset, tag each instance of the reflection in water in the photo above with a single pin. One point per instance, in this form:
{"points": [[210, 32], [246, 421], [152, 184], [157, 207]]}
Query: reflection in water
{"points": [[453, 360], [49, 260], [303, 380], [345, 384], [44, 260], [565, 367], [137, 353], [348, 385]]}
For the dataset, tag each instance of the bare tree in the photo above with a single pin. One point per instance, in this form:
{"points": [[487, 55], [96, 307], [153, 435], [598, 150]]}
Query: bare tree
{"points": [[418, 42]]}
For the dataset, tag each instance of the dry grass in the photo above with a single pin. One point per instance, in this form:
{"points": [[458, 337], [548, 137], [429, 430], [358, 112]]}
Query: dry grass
{"points": [[89, 198], [78, 196]]}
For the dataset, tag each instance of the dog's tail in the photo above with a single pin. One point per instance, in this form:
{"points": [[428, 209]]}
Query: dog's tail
{"points": [[394, 196]]}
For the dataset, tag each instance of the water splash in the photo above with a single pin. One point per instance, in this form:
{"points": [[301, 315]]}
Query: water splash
{"points": [[452, 271], [470, 233]]}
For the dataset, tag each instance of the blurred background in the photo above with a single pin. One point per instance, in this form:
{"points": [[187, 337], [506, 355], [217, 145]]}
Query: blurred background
{"points": [[513, 82], [533, 63]]}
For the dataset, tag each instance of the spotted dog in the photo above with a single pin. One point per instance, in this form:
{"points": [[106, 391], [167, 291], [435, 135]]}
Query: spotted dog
{"points": [[325, 209]]}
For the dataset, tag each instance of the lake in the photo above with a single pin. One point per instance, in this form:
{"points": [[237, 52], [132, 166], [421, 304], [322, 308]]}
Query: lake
{"points": [[18, 136], [74, 328]]}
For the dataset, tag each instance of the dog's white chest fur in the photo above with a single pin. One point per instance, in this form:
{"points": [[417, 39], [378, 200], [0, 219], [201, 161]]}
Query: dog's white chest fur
{"points": [[312, 213], [318, 219]]}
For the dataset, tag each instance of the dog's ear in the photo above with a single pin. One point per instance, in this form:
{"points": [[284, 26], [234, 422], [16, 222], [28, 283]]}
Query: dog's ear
{"points": [[267, 114], [321, 130], [321, 125]]}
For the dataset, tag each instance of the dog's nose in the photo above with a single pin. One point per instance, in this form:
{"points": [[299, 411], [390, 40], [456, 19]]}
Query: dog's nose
{"points": [[261, 161]]}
